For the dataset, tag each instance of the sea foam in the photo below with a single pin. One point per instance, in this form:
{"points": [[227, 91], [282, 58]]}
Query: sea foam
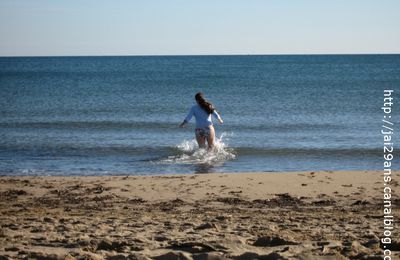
{"points": [[190, 153]]}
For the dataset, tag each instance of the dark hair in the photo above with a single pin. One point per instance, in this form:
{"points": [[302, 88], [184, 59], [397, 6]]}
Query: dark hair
{"points": [[203, 103]]}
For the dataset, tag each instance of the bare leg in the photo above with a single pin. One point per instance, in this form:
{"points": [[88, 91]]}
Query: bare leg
{"points": [[211, 138], [201, 141]]}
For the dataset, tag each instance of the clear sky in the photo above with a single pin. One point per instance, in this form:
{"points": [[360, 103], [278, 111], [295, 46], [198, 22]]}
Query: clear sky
{"points": [[180, 27]]}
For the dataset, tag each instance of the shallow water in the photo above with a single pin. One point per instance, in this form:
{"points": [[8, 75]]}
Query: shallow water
{"points": [[119, 115]]}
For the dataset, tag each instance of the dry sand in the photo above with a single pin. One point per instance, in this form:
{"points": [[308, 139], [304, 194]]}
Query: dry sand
{"points": [[297, 215]]}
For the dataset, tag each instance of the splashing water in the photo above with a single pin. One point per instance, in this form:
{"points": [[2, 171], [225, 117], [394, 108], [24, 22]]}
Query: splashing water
{"points": [[191, 154]]}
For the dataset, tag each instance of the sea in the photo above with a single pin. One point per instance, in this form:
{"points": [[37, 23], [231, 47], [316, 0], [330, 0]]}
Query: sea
{"points": [[119, 115]]}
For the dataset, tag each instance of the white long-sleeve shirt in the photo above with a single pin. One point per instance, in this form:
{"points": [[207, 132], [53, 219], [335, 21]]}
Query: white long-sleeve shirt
{"points": [[203, 119]]}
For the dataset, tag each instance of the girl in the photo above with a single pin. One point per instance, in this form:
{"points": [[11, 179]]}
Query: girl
{"points": [[204, 127]]}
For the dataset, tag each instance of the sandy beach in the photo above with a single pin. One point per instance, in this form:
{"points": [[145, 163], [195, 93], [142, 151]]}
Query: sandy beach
{"points": [[293, 215]]}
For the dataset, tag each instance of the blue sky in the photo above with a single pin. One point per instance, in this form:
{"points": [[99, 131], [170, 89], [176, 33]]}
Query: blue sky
{"points": [[181, 27]]}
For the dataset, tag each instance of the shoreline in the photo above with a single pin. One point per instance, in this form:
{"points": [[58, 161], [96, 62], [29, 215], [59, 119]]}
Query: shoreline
{"points": [[252, 183], [290, 215]]}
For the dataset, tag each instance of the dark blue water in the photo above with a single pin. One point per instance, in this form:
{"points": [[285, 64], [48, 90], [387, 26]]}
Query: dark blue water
{"points": [[119, 115]]}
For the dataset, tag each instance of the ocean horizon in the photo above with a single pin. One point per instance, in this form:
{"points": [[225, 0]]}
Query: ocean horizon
{"points": [[193, 55]]}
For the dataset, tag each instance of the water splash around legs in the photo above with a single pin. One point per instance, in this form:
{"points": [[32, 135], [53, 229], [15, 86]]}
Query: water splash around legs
{"points": [[189, 153]]}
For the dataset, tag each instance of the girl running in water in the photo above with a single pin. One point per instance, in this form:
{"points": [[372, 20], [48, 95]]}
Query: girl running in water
{"points": [[202, 111]]}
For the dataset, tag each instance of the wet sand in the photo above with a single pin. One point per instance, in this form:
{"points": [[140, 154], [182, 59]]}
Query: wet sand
{"points": [[294, 215]]}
